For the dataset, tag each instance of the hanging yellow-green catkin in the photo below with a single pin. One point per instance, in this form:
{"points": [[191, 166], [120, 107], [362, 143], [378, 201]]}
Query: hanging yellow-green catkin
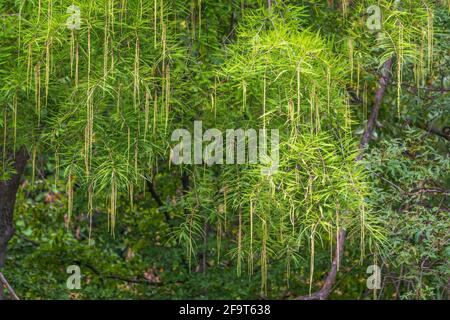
{"points": [[330, 235], [111, 15], [136, 154], [141, 9], [312, 256], [291, 112], [29, 66], [199, 18], [214, 98], [365, 101], [344, 9], [362, 237], [37, 89], [193, 20], [49, 14], [250, 255], [239, 241], [39, 11], [163, 71], [118, 99], [5, 132], [47, 67], [358, 75], [312, 104], [399, 66], [350, 56], [264, 259], [218, 240], [244, 95], [33, 164], [155, 18], [298, 88], [76, 65], [264, 97], [71, 51], [105, 44], [89, 130], [163, 29], [213, 105], [422, 59], [14, 121], [128, 143], [347, 115], [90, 210], [113, 203], [112, 36], [146, 113], [89, 114], [430, 38], [19, 37], [329, 88], [136, 87], [112, 55], [167, 95], [48, 49], [57, 165], [418, 66], [317, 114], [89, 55], [225, 208], [155, 112], [69, 192]]}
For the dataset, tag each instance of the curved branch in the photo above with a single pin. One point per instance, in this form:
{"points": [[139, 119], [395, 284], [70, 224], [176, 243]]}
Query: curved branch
{"points": [[325, 291], [379, 94]]}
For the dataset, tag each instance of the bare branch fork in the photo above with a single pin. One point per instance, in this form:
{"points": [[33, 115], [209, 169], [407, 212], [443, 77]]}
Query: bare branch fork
{"points": [[4, 283], [326, 289]]}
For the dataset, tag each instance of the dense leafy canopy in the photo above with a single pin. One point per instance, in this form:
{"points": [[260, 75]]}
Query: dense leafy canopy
{"points": [[95, 108]]}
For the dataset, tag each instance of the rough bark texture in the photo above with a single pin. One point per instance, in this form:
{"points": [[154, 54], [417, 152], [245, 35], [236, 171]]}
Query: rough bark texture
{"points": [[8, 190]]}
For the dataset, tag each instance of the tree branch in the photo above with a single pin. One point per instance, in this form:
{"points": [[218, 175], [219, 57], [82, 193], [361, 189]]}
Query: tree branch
{"points": [[379, 94], [117, 277], [5, 284], [157, 198], [154, 194], [430, 129]]}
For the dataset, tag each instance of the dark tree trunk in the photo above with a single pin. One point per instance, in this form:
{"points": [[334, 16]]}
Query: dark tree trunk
{"points": [[8, 190]]}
